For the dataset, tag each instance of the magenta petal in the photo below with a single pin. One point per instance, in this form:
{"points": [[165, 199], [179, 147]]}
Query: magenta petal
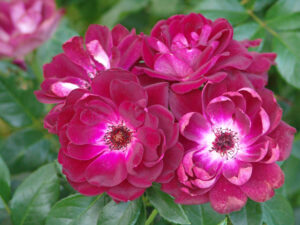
{"points": [[145, 176], [108, 170], [237, 172], [84, 152], [118, 33], [151, 139], [194, 127], [253, 100], [173, 157], [166, 123], [72, 168], [134, 156], [170, 64], [125, 192], [131, 113], [271, 106], [284, 136], [101, 84], [130, 50], [187, 86], [121, 91], [98, 53], [226, 198], [75, 51], [265, 177], [174, 188], [220, 110], [242, 121], [182, 104], [87, 189], [254, 153], [101, 34], [81, 134], [158, 94], [260, 125]]}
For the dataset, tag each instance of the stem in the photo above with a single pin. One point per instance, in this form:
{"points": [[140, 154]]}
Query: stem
{"points": [[151, 217], [261, 23]]}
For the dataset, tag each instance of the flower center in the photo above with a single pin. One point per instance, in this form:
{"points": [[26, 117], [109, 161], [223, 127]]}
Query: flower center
{"points": [[117, 137], [226, 143]]}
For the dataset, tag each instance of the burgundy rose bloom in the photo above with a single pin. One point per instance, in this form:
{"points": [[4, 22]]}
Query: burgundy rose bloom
{"points": [[119, 137], [233, 136], [83, 60], [188, 50], [24, 25]]}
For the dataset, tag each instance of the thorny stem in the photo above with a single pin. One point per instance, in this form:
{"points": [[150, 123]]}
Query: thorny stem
{"points": [[151, 217]]}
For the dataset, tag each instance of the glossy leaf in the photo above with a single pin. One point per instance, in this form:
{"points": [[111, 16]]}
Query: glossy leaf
{"points": [[25, 150], [245, 31], [251, 214], [231, 10], [4, 181], [166, 206], [288, 56], [18, 107], [291, 169], [285, 22], [76, 210], [33, 199], [202, 214], [277, 211], [121, 10], [123, 213]]}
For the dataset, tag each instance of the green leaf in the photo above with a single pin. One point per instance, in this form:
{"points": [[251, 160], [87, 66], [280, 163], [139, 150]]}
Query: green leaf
{"points": [[142, 217], [33, 199], [296, 149], [166, 206], [4, 182], [121, 10], [76, 210], [277, 211], [285, 22], [228, 9], [283, 7], [291, 169], [202, 214], [123, 213], [54, 45], [224, 222], [25, 150], [251, 214], [245, 31], [288, 60], [18, 107], [163, 7]]}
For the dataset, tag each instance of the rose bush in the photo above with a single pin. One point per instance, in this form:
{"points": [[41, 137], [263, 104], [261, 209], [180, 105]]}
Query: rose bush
{"points": [[182, 124]]}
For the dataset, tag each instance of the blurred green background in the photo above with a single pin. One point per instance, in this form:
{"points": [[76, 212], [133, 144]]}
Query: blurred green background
{"points": [[25, 145]]}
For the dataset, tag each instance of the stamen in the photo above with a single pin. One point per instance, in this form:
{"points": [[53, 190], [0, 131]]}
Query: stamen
{"points": [[117, 137], [226, 142]]}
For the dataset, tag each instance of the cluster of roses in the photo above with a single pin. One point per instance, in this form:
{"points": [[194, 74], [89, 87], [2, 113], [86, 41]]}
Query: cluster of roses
{"points": [[185, 107]]}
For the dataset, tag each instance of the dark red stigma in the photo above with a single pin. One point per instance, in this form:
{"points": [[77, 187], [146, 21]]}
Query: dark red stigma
{"points": [[118, 136], [226, 142]]}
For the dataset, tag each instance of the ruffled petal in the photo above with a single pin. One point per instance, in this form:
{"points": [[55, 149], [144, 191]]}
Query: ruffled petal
{"points": [[226, 197], [108, 170], [265, 177], [237, 172]]}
